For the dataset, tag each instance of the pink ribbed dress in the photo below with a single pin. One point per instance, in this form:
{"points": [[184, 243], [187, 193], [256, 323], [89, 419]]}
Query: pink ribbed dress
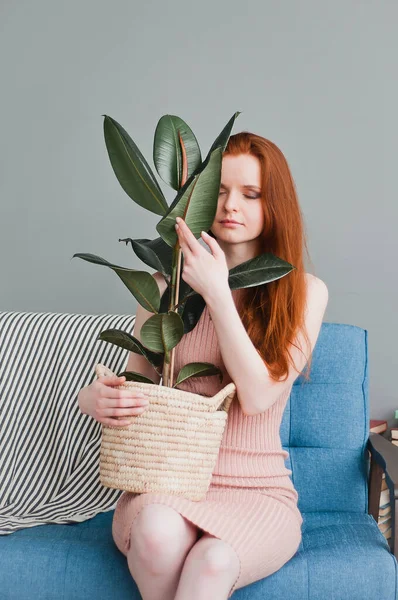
{"points": [[251, 503]]}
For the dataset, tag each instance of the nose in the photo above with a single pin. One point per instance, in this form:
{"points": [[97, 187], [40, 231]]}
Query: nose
{"points": [[230, 201]]}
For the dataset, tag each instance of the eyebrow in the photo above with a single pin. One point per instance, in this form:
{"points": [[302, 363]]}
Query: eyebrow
{"points": [[254, 187]]}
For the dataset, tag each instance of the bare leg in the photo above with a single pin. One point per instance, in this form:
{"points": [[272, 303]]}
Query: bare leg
{"points": [[160, 540], [210, 570]]}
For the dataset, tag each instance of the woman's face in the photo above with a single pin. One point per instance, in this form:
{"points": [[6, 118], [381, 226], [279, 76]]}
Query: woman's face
{"points": [[239, 199]]}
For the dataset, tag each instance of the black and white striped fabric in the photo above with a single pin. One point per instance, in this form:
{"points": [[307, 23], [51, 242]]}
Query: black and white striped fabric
{"points": [[49, 450]]}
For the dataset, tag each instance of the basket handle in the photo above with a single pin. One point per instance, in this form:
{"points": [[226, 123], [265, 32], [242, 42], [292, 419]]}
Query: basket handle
{"points": [[223, 399], [103, 371]]}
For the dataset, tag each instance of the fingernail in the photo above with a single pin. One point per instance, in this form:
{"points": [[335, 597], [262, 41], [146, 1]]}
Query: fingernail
{"points": [[178, 219]]}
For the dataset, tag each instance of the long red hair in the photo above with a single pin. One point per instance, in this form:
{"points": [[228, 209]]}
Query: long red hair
{"points": [[273, 313]]}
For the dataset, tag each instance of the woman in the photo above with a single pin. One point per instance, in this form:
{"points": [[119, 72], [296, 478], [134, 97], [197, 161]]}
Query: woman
{"points": [[262, 337]]}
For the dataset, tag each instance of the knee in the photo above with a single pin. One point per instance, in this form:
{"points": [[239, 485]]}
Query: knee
{"points": [[216, 560], [214, 556], [157, 529]]}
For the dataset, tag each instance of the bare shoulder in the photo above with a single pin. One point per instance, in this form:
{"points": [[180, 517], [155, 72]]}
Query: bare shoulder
{"points": [[317, 289], [316, 302]]}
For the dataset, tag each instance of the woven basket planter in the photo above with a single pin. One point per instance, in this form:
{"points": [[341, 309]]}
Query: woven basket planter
{"points": [[172, 447]]}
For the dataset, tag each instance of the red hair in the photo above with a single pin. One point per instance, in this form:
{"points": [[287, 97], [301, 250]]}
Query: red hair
{"points": [[273, 313]]}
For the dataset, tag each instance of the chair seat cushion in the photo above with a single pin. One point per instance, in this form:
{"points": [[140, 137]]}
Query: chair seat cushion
{"points": [[336, 560]]}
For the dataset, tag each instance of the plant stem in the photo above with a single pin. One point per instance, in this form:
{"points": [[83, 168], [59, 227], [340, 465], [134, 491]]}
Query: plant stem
{"points": [[168, 367]]}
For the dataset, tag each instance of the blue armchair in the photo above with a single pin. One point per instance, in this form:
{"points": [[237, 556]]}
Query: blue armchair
{"points": [[56, 517]]}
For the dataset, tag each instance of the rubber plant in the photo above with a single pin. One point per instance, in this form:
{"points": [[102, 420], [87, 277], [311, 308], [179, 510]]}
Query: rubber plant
{"points": [[178, 162]]}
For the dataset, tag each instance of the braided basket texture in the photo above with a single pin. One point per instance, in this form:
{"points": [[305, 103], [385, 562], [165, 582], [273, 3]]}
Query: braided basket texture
{"points": [[172, 447]]}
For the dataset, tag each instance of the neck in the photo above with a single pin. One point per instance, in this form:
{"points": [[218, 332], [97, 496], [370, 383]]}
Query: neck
{"points": [[237, 254]]}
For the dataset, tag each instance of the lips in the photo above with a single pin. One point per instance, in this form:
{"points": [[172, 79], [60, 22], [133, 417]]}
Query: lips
{"points": [[229, 221]]}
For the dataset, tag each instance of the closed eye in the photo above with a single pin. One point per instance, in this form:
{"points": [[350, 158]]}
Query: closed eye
{"points": [[250, 197]]}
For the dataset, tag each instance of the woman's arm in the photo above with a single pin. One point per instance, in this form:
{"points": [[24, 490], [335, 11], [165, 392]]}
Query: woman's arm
{"points": [[241, 359]]}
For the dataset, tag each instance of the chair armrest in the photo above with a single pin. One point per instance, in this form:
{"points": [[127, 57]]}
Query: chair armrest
{"points": [[384, 458]]}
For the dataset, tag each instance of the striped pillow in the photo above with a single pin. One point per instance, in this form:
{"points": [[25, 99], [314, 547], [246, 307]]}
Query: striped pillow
{"points": [[49, 450]]}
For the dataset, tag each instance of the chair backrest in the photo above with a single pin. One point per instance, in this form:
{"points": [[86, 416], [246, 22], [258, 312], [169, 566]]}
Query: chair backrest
{"points": [[49, 450], [325, 427]]}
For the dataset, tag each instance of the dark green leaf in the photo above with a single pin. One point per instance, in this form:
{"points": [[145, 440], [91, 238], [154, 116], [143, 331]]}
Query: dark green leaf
{"points": [[221, 140], [197, 205], [129, 342], [167, 152], [140, 283], [193, 309], [166, 228], [154, 253], [134, 376], [132, 170], [162, 332], [258, 270], [198, 369]]}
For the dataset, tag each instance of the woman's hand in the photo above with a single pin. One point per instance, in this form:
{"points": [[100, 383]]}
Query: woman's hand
{"points": [[207, 273], [111, 406]]}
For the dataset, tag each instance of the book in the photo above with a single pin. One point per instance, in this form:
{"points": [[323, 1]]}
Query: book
{"points": [[378, 425], [384, 510], [394, 433], [384, 519], [384, 497], [384, 527]]}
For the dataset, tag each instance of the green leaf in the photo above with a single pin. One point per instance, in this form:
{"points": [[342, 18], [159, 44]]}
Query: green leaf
{"points": [[129, 342], [197, 205], [162, 332], [193, 309], [198, 369], [221, 140], [134, 376], [167, 152], [154, 253], [184, 291], [166, 229], [190, 310], [132, 170], [140, 283], [258, 270]]}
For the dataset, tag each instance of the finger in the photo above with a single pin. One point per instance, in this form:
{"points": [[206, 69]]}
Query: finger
{"points": [[111, 379], [183, 244], [125, 402], [111, 392], [187, 234], [123, 412], [212, 243]]}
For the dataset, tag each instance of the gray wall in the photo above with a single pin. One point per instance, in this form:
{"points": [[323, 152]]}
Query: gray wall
{"points": [[317, 78]]}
